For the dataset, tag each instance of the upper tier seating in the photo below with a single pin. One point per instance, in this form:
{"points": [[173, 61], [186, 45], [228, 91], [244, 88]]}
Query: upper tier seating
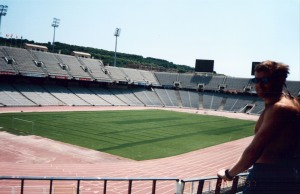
{"points": [[213, 82], [189, 81], [96, 68], [116, 74], [149, 76], [76, 69], [237, 84], [134, 76], [293, 87], [23, 62], [166, 79], [51, 64], [5, 67]]}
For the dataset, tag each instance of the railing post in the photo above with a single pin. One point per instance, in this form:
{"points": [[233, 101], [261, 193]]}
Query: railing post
{"points": [[22, 186], [218, 186], [50, 189], [200, 186], [78, 186], [234, 184], [129, 186], [192, 187], [179, 187], [153, 186], [104, 186]]}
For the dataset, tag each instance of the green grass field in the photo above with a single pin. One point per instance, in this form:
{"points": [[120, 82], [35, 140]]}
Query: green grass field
{"points": [[138, 134]]}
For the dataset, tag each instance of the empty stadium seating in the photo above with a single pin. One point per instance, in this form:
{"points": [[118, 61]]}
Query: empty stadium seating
{"points": [[23, 62], [96, 69], [51, 64], [217, 92], [236, 84], [37, 94], [11, 97]]}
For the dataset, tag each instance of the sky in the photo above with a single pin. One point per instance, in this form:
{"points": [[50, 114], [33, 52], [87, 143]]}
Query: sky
{"points": [[233, 33]]}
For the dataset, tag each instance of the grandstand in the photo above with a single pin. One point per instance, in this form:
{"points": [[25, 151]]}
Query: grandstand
{"points": [[129, 87], [31, 78]]}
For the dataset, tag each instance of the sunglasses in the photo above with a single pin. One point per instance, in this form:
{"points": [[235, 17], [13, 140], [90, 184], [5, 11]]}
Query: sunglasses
{"points": [[263, 80]]}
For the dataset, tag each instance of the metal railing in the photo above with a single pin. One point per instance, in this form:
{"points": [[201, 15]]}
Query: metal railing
{"points": [[205, 185], [213, 185], [78, 181]]}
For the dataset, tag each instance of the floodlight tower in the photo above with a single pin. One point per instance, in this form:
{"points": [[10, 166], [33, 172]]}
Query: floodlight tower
{"points": [[117, 33], [3, 10], [55, 24]]}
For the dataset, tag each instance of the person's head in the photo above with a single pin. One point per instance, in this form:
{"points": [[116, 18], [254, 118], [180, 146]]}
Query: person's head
{"points": [[270, 77]]}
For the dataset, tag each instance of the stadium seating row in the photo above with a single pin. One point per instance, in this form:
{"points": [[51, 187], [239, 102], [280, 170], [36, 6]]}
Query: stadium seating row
{"points": [[18, 61], [29, 94]]}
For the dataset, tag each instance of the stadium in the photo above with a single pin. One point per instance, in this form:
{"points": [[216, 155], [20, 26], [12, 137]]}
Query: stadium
{"points": [[33, 81]]}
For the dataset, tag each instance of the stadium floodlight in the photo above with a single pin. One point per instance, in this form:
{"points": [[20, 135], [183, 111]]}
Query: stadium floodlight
{"points": [[55, 24], [3, 10], [116, 34]]}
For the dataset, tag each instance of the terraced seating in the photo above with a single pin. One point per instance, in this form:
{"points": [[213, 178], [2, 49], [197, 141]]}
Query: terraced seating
{"points": [[237, 84], [166, 79], [147, 97], [88, 96], [195, 99], [23, 62], [293, 87], [51, 64], [213, 82], [150, 77], [96, 68], [116, 74], [65, 95], [230, 101], [74, 67], [207, 100], [9, 96], [259, 107], [168, 97], [127, 96], [174, 96], [107, 96], [134, 75], [38, 95], [216, 101], [5, 68], [188, 81], [236, 103]]}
